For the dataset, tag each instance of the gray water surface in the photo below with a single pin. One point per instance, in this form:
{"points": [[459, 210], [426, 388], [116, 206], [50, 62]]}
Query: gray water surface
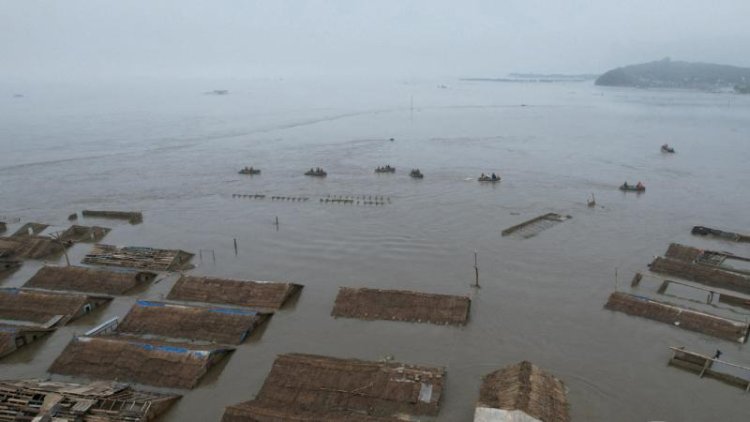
{"points": [[173, 153]]}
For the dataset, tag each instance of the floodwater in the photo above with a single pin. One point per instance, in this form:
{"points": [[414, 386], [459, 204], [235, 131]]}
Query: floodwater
{"points": [[173, 152]]}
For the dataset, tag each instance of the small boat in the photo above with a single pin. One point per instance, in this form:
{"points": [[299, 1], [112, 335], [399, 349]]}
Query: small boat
{"points": [[415, 173], [385, 169], [250, 171], [632, 188], [666, 148], [316, 172], [488, 179]]}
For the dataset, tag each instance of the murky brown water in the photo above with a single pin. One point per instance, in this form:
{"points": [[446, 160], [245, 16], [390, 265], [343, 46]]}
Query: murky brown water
{"points": [[174, 154]]}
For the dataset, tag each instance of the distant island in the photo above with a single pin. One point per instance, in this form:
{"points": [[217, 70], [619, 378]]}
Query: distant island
{"points": [[536, 78], [676, 74]]}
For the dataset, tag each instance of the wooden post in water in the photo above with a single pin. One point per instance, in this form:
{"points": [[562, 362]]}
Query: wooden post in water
{"points": [[615, 278], [235, 246], [476, 271]]}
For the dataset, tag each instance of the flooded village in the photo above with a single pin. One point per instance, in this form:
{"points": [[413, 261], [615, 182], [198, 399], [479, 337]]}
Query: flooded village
{"points": [[139, 363], [335, 211]]}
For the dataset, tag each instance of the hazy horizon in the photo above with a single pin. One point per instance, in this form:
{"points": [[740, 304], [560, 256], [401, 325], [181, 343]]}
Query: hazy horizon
{"points": [[87, 40]]}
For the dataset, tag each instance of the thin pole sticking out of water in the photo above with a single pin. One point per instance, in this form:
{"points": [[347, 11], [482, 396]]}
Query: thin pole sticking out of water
{"points": [[235, 246], [276, 223], [615, 278], [476, 271]]}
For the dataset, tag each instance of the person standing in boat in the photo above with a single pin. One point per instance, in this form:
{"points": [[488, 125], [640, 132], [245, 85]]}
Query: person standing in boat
{"points": [[494, 176], [639, 185]]}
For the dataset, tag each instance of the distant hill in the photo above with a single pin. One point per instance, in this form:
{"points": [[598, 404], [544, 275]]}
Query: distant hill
{"points": [[675, 74]]}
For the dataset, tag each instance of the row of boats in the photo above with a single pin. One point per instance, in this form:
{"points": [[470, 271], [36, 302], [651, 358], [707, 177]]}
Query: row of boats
{"points": [[415, 173]]}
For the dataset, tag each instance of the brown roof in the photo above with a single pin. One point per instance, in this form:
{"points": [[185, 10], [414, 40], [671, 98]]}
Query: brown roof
{"points": [[704, 274], [76, 233], [157, 363], [401, 305], [13, 337], [31, 247], [317, 386], [256, 294], [43, 307], [682, 252], [525, 387], [92, 280], [220, 325], [98, 401], [684, 318], [30, 229], [138, 257], [254, 411]]}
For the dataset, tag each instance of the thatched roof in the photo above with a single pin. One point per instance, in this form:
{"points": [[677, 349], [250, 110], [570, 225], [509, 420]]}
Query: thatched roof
{"points": [[30, 229], [255, 294], [13, 337], [704, 274], [31, 247], [76, 233], [43, 307], [157, 363], [138, 257], [91, 280], [401, 305], [525, 387], [99, 401], [318, 386], [684, 318], [220, 325], [682, 252]]}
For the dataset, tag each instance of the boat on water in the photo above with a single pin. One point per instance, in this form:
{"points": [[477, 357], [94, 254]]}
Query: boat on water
{"points": [[625, 187], [415, 173], [666, 148], [385, 169], [249, 170], [316, 172], [488, 179]]}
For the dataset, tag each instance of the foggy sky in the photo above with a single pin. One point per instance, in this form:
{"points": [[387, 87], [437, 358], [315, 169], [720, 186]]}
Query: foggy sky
{"points": [[77, 39]]}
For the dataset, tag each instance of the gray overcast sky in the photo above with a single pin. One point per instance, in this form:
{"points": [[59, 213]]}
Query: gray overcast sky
{"points": [[55, 39]]}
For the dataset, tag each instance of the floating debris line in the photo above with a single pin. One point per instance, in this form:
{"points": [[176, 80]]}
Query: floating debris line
{"points": [[328, 199]]}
